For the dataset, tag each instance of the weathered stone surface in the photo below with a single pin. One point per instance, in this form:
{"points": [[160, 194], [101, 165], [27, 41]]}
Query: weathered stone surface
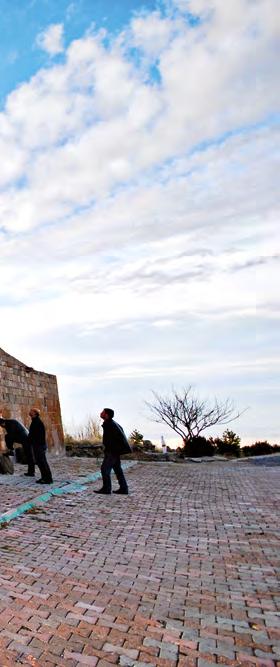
{"points": [[6, 465], [21, 387]]}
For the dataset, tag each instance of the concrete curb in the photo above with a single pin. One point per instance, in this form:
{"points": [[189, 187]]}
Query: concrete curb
{"points": [[76, 486]]}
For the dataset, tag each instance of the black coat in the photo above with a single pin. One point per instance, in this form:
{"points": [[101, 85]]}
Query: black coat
{"points": [[114, 438], [16, 432], [37, 434]]}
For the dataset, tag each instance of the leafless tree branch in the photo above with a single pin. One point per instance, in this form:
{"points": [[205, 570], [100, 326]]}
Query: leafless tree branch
{"points": [[188, 415]]}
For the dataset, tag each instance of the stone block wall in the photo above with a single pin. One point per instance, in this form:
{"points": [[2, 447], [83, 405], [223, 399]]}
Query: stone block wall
{"points": [[21, 388]]}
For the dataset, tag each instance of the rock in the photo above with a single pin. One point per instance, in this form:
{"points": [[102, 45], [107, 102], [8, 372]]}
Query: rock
{"points": [[6, 464]]}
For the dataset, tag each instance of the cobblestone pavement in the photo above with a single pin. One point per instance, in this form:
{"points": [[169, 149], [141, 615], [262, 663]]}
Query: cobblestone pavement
{"points": [[182, 572]]}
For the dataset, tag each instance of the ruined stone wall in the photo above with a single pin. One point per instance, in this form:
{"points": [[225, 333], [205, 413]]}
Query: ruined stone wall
{"points": [[21, 388]]}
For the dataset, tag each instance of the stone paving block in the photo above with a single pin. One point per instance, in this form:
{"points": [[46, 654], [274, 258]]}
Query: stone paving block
{"points": [[260, 662], [190, 634], [276, 649], [127, 662], [87, 660], [168, 647], [112, 648], [145, 657], [265, 654], [27, 650], [225, 651], [149, 641]]}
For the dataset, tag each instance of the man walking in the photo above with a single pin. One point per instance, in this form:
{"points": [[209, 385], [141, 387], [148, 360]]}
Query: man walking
{"points": [[115, 443], [16, 432], [37, 440]]}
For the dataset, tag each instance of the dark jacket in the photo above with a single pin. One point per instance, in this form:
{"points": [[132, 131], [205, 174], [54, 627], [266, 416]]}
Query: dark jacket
{"points": [[37, 434], [15, 432], [114, 438]]}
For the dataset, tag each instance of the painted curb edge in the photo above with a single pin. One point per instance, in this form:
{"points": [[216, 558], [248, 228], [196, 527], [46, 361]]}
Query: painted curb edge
{"points": [[76, 486]]}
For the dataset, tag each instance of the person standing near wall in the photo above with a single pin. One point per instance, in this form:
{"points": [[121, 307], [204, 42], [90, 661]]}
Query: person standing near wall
{"points": [[37, 440]]}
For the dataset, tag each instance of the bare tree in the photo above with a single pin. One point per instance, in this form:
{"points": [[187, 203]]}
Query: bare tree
{"points": [[188, 415]]}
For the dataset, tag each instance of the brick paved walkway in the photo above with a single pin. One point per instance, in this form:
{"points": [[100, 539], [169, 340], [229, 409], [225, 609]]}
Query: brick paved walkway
{"points": [[183, 572]]}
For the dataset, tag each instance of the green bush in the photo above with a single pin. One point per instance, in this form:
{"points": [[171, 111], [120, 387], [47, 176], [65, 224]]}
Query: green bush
{"points": [[228, 445], [259, 448], [198, 447], [228, 449], [136, 438], [148, 445]]}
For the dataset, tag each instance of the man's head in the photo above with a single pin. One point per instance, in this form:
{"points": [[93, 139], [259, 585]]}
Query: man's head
{"points": [[107, 413], [34, 412]]}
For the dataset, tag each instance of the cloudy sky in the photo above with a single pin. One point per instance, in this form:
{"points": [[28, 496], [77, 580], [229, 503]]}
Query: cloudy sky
{"points": [[139, 202]]}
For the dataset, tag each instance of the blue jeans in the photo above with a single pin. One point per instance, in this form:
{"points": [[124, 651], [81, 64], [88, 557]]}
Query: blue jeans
{"points": [[112, 462]]}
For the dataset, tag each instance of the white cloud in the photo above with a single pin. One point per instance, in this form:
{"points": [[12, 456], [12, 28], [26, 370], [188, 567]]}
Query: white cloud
{"points": [[128, 198], [152, 33], [98, 91], [51, 39]]}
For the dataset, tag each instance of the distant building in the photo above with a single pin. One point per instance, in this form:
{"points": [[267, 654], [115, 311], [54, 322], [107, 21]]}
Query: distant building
{"points": [[163, 445], [21, 388]]}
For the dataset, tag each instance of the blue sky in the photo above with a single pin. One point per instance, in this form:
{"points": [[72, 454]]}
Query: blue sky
{"points": [[22, 21], [139, 203]]}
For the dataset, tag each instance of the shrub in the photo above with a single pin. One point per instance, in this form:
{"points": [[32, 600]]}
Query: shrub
{"points": [[148, 445], [228, 445], [180, 452], [229, 450], [136, 438], [199, 446], [259, 448]]}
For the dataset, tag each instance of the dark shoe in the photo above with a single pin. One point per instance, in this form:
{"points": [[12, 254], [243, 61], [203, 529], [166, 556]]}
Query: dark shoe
{"points": [[122, 492], [47, 481], [105, 493], [29, 474], [44, 481]]}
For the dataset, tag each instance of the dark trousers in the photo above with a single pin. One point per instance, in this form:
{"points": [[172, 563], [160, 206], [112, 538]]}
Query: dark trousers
{"points": [[41, 461], [112, 462], [28, 452]]}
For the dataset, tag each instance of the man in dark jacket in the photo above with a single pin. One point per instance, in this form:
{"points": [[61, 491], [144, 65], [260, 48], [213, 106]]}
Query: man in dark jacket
{"points": [[16, 432], [37, 440], [115, 444]]}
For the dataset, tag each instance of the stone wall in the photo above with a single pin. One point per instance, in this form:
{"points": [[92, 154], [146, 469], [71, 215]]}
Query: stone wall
{"points": [[21, 388]]}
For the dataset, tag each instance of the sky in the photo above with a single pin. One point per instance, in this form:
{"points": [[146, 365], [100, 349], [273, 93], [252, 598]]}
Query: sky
{"points": [[139, 204]]}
